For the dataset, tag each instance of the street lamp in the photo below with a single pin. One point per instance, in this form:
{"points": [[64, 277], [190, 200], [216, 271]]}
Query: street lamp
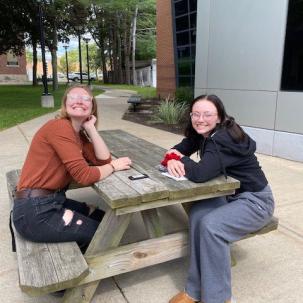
{"points": [[78, 29], [66, 59], [46, 99], [87, 58]]}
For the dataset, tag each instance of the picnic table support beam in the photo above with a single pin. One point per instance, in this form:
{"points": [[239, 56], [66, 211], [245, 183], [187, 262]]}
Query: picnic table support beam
{"points": [[152, 223], [108, 235], [130, 257]]}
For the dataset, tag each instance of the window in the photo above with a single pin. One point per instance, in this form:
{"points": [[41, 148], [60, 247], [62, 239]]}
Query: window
{"points": [[11, 59], [181, 7], [292, 70], [185, 20]]}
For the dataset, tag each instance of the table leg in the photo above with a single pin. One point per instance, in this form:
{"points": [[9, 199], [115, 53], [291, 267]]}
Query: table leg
{"points": [[108, 235], [152, 223]]}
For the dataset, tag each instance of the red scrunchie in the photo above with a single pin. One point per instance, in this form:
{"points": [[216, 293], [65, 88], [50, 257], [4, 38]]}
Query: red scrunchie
{"points": [[171, 156]]}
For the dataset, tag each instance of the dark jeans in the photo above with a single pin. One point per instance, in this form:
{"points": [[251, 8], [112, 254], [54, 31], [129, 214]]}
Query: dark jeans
{"points": [[41, 220]]}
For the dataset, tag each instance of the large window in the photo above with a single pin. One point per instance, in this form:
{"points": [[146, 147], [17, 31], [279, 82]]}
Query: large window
{"points": [[292, 72], [185, 16]]}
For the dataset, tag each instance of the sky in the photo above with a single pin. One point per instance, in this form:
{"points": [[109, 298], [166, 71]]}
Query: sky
{"points": [[73, 44]]}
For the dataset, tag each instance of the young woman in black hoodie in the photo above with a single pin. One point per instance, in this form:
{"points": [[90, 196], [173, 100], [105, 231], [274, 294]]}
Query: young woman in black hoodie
{"points": [[224, 148]]}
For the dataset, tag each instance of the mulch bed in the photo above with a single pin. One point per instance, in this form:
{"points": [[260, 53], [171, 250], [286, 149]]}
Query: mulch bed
{"points": [[144, 115]]}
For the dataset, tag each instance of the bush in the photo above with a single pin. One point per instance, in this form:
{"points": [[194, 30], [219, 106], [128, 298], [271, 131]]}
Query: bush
{"points": [[184, 94], [170, 112]]}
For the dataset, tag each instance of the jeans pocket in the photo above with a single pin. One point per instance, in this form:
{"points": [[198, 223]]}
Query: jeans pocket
{"points": [[46, 205]]}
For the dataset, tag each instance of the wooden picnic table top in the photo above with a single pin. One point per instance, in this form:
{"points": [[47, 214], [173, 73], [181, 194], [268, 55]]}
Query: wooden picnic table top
{"points": [[118, 191]]}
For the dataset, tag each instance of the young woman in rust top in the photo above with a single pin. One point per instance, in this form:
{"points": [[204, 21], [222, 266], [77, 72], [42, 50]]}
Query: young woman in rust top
{"points": [[64, 149]]}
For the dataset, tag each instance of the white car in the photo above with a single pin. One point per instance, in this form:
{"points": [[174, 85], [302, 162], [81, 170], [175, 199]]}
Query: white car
{"points": [[76, 76]]}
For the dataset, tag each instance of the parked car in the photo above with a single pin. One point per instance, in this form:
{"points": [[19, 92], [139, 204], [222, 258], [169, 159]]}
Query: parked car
{"points": [[76, 76]]}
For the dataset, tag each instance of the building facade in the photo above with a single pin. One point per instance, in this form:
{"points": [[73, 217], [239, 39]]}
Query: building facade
{"points": [[166, 74], [12, 68], [249, 53]]}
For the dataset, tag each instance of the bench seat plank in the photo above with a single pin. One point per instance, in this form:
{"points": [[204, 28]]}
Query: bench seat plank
{"points": [[46, 267]]}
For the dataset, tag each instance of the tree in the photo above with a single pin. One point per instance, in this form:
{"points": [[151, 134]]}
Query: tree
{"points": [[113, 25]]}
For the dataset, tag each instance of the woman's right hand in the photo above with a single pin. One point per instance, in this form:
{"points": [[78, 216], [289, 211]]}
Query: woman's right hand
{"points": [[121, 163]]}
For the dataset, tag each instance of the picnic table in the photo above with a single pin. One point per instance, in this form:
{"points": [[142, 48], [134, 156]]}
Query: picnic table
{"points": [[125, 197]]}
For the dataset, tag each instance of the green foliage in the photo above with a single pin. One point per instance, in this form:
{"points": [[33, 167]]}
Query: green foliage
{"points": [[170, 112], [184, 94], [146, 47]]}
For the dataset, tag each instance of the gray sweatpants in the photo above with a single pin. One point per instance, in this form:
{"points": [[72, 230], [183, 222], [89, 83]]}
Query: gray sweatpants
{"points": [[214, 224]]}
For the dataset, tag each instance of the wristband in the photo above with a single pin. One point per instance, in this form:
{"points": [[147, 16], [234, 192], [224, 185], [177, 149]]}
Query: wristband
{"points": [[112, 165], [171, 156]]}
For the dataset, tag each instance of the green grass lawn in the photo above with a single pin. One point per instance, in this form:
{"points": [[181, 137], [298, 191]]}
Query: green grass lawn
{"points": [[19, 103], [145, 92]]}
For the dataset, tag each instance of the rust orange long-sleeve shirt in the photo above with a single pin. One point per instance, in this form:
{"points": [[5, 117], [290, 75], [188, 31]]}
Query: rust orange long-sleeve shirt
{"points": [[57, 156]]}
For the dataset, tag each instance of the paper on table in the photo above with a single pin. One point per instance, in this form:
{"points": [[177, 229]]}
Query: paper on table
{"points": [[173, 177]]}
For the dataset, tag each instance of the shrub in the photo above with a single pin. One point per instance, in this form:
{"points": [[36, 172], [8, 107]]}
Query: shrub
{"points": [[170, 111], [184, 94]]}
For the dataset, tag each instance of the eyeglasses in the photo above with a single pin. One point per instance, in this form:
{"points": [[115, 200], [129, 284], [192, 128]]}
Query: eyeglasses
{"points": [[205, 115], [83, 98]]}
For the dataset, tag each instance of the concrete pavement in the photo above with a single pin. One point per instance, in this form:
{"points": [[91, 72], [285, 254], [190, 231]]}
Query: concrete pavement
{"points": [[269, 269]]}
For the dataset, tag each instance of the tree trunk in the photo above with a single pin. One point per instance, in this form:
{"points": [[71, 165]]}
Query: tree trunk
{"points": [[134, 27], [54, 59], [127, 48], [103, 60], [115, 54], [35, 82], [54, 67], [119, 50]]}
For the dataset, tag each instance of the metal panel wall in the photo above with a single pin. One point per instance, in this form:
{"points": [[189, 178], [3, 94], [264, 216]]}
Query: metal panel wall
{"points": [[239, 55]]}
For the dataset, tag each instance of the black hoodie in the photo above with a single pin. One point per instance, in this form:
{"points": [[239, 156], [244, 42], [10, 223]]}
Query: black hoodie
{"points": [[220, 153]]}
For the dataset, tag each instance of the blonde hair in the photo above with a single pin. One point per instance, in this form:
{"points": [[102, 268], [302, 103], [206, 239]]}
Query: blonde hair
{"points": [[63, 113]]}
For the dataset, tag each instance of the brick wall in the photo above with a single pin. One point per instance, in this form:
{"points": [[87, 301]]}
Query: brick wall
{"points": [[166, 75], [13, 73]]}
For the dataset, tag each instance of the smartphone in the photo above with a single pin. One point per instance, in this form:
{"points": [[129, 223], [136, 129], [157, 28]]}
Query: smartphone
{"points": [[138, 177]]}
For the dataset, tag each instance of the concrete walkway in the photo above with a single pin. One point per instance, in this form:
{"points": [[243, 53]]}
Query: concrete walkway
{"points": [[269, 269]]}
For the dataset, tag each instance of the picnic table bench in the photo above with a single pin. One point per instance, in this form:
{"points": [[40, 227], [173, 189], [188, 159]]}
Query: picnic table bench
{"points": [[104, 257], [135, 100], [46, 267]]}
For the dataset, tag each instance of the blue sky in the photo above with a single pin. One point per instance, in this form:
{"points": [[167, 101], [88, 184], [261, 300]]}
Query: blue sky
{"points": [[73, 44]]}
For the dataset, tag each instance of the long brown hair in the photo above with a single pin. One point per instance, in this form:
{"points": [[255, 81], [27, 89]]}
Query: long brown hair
{"points": [[226, 121], [63, 114]]}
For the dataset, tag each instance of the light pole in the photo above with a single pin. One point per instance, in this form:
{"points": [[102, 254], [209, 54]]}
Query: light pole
{"points": [[78, 29], [46, 99], [66, 59], [87, 59]]}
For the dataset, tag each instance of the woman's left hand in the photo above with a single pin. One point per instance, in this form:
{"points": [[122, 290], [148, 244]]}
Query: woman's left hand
{"points": [[176, 168], [89, 123]]}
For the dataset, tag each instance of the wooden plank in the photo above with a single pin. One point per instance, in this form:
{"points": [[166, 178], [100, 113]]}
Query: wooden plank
{"points": [[146, 156], [137, 255], [108, 235], [166, 202], [116, 193], [147, 188], [118, 190], [12, 178], [152, 223], [43, 267]]}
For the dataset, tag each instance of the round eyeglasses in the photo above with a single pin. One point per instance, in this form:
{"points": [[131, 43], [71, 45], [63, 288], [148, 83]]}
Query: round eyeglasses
{"points": [[205, 115], [84, 98]]}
